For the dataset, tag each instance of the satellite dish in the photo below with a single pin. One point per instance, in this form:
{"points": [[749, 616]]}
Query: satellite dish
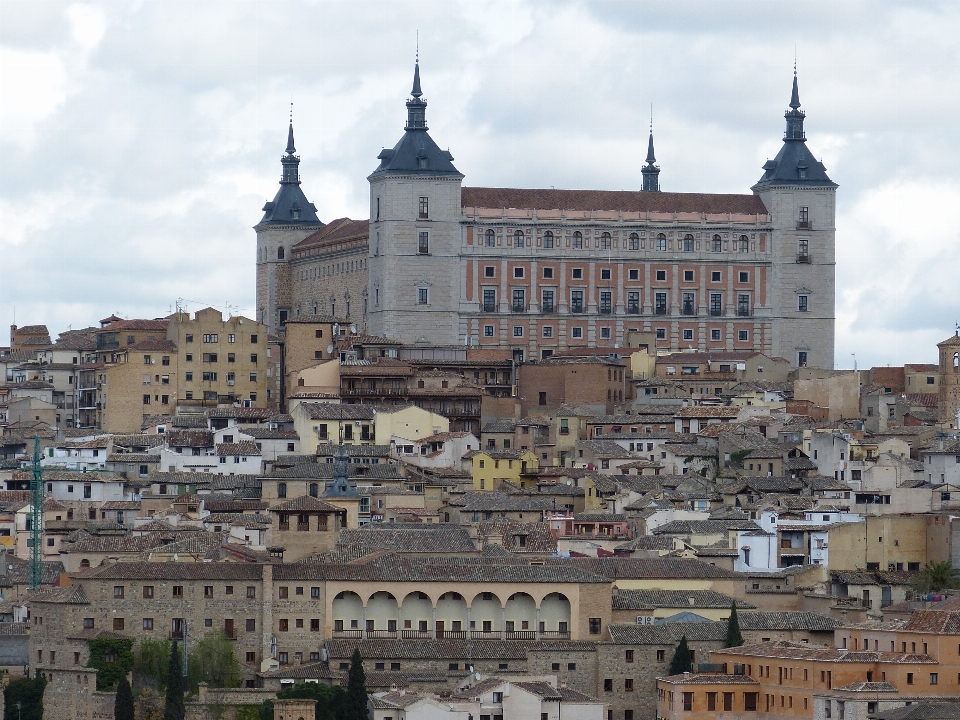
{"points": [[329, 349], [353, 329], [477, 676]]}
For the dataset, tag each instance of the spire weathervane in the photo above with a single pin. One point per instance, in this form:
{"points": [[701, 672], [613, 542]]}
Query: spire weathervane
{"points": [[651, 171]]}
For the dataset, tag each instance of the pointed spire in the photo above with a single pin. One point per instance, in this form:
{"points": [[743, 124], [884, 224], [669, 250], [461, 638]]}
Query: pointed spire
{"points": [[795, 95], [290, 161], [416, 81], [651, 171], [416, 108]]}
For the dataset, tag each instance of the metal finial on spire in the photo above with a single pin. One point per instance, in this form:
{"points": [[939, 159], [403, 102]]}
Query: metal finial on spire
{"points": [[416, 80], [795, 94]]}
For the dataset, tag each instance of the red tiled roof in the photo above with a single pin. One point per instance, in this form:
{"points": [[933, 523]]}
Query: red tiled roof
{"points": [[158, 345], [628, 201], [160, 325], [339, 229]]}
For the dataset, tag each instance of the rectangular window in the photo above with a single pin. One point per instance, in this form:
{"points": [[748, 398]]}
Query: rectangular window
{"points": [[211, 338], [576, 301], [633, 303], [209, 377], [744, 277], [577, 273], [633, 274], [547, 331], [188, 376], [576, 333], [423, 242], [595, 626], [489, 300], [424, 208], [518, 330], [715, 334], [802, 303], [519, 301], [489, 271], [688, 334], [251, 592], [118, 623], [488, 330], [689, 303], [802, 359], [118, 592], [661, 333], [660, 303], [743, 305], [178, 591], [606, 301], [716, 304], [421, 296], [209, 357], [148, 623], [546, 304]]}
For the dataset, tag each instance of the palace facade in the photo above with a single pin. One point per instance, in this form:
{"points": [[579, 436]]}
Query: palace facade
{"points": [[543, 271]]}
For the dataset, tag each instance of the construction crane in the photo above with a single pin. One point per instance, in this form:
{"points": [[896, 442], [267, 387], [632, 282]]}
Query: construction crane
{"points": [[36, 519]]}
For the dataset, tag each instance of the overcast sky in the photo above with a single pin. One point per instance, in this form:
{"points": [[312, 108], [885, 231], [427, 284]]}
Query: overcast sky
{"points": [[139, 140]]}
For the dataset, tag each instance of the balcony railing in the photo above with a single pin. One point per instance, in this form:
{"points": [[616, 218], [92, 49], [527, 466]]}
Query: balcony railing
{"points": [[804, 258], [382, 634], [548, 307], [416, 634], [485, 634], [348, 634], [303, 527], [605, 310], [660, 310], [520, 635], [688, 310], [576, 307], [555, 635], [518, 307], [452, 634], [488, 307], [176, 634], [804, 225], [633, 309]]}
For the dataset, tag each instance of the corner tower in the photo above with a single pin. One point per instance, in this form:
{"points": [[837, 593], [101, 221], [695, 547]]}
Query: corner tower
{"points": [[287, 219], [415, 235], [801, 201]]}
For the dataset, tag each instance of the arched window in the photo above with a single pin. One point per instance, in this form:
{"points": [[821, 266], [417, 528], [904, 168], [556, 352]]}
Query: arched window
{"points": [[84, 563], [688, 243], [605, 241], [578, 240], [314, 490], [634, 241], [661, 242], [518, 239], [956, 361], [548, 240], [744, 244], [491, 239], [280, 253], [716, 244]]}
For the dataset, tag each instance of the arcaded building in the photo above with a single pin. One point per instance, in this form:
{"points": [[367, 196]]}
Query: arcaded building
{"points": [[542, 271]]}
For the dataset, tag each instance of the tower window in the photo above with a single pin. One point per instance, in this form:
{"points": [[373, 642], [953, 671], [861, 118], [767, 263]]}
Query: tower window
{"points": [[802, 359], [421, 296], [802, 303], [280, 253], [423, 243], [424, 208]]}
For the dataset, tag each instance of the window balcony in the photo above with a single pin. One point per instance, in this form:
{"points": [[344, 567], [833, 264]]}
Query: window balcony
{"points": [[743, 312], [804, 258], [689, 310], [488, 307], [518, 307], [660, 310], [633, 309], [576, 307], [548, 308], [804, 225], [606, 310]]}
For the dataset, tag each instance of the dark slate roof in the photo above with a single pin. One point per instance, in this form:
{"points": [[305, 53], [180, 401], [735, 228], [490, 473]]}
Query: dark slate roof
{"points": [[447, 649], [502, 502], [704, 526], [625, 200], [413, 538], [613, 568], [174, 571], [400, 568], [325, 471], [306, 503], [811, 621], [925, 710], [289, 196], [648, 599]]}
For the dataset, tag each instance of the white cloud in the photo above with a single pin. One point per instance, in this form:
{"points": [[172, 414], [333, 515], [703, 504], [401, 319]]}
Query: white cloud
{"points": [[140, 140]]}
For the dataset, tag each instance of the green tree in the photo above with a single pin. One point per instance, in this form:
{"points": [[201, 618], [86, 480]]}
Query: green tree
{"points": [[150, 705], [734, 638], [28, 692], [937, 576], [213, 660], [355, 706], [173, 708], [150, 664], [682, 662], [123, 708], [330, 699]]}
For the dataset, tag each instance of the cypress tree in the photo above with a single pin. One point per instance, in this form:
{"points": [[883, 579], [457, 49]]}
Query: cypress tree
{"points": [[734, 638], [173, 709], [355, 707], [123, 706], [681, 662]]}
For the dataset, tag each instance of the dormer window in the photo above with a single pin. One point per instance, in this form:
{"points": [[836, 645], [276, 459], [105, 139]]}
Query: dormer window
{"points": [[295, 211]]}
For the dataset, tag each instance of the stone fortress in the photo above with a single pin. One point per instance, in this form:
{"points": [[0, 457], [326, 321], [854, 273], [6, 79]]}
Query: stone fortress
{"points": [[544, 271]]}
